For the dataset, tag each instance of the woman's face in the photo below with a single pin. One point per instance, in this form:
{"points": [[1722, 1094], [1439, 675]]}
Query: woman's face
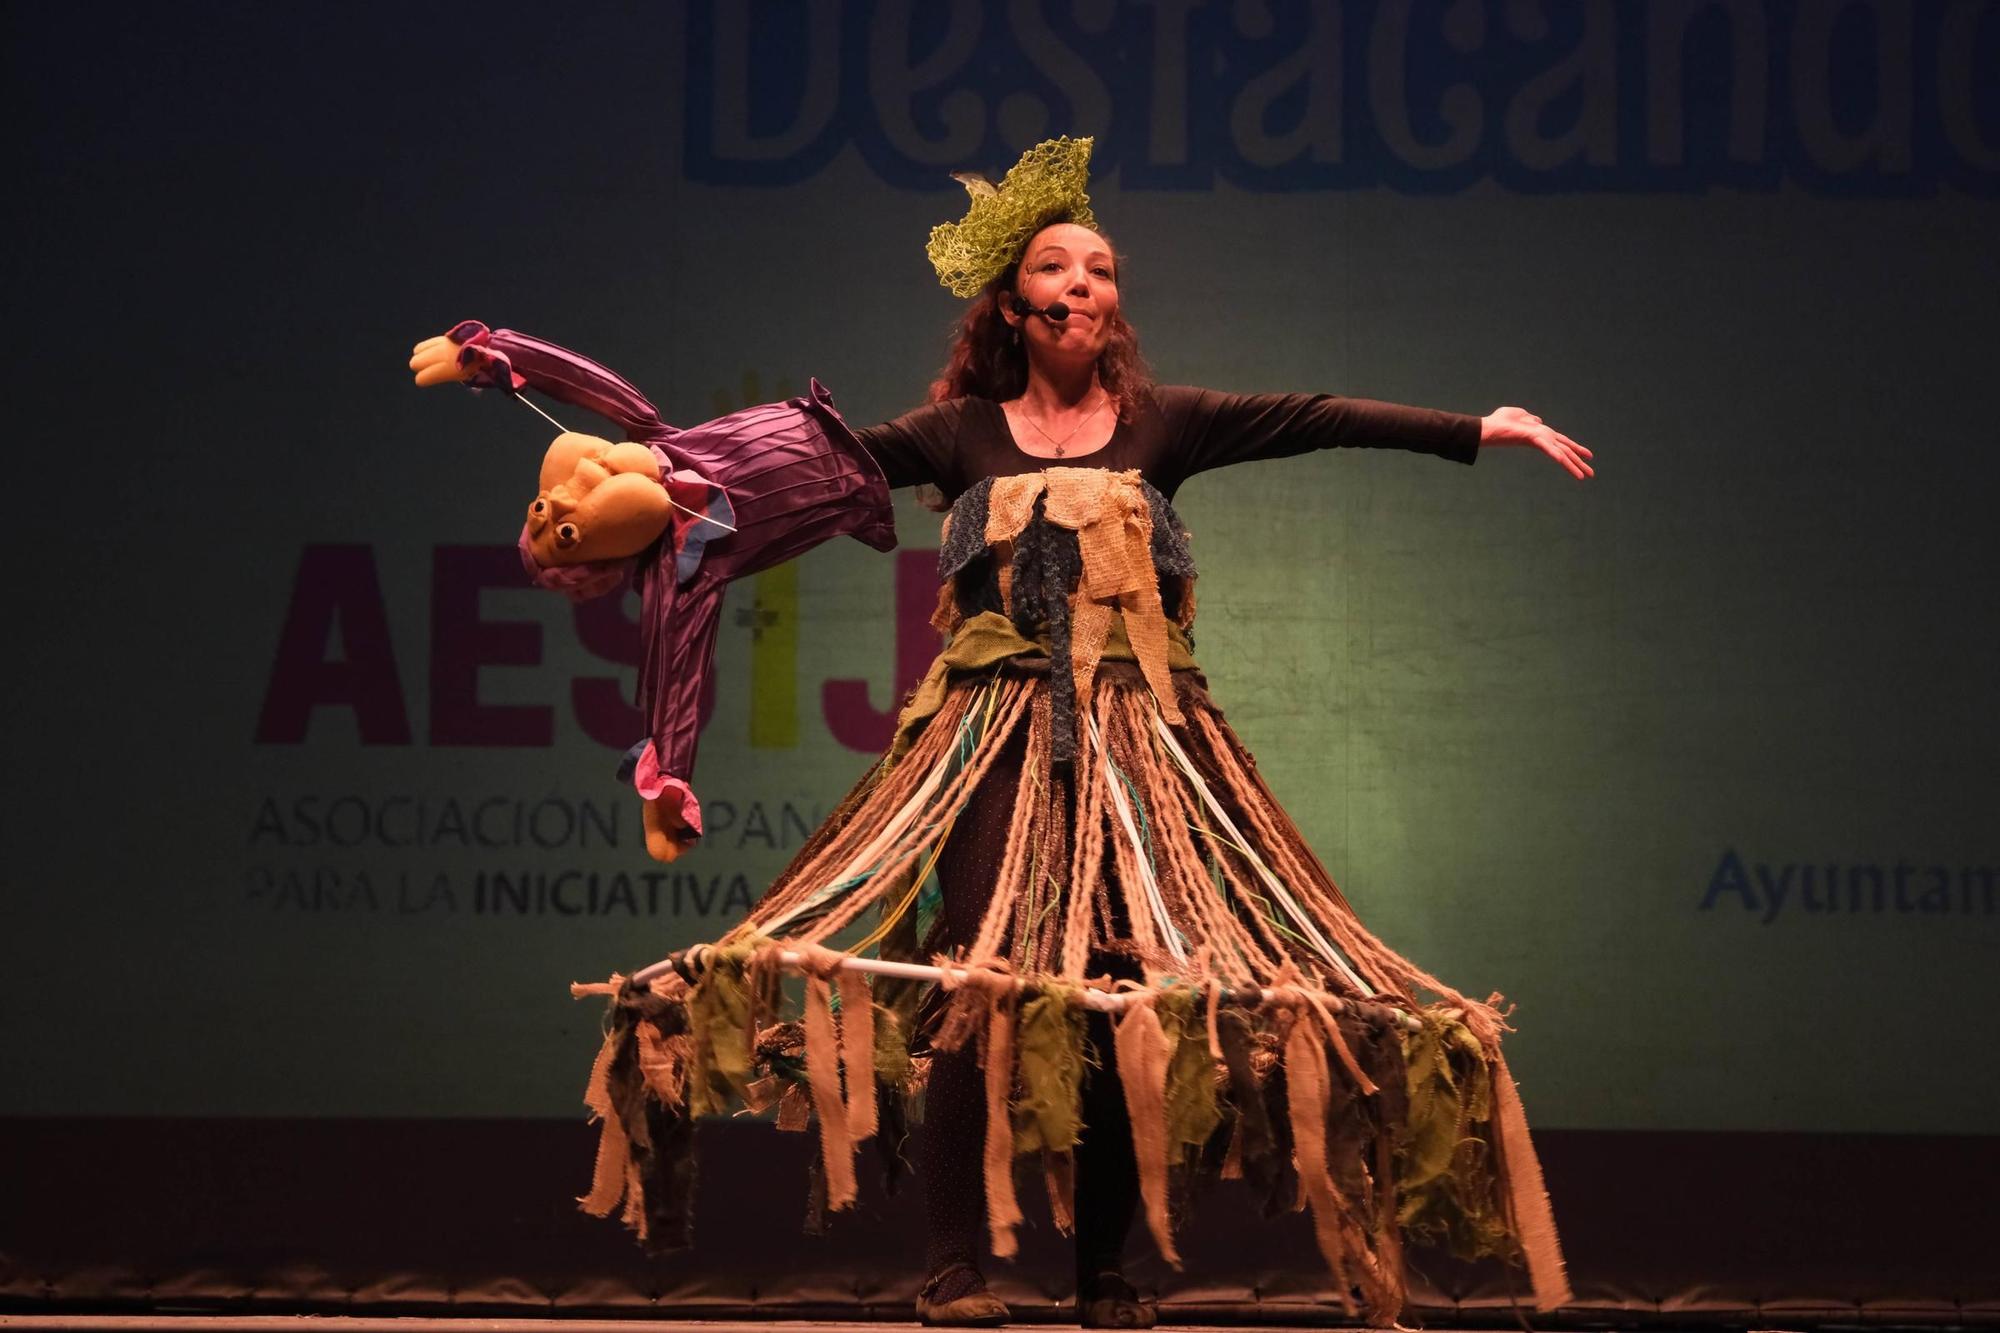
{"points": [[1073, 265]]}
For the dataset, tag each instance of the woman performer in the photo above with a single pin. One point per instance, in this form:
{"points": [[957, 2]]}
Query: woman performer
{"points": [[1090, 815], [1024, 390]]}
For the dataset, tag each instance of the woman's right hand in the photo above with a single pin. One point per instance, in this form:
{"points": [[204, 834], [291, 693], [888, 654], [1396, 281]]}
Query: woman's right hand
{"points": [[437, 361]]}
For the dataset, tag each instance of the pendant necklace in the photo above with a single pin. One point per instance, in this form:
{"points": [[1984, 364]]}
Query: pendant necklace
{"points": [[1071, 433]]}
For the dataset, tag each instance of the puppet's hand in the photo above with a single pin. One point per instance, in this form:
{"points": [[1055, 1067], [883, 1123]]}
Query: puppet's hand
{"points": [[437, 361], [667, 834], [1517, 426]]}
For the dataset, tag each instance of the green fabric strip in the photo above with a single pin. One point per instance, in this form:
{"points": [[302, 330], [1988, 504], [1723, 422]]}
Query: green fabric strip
{"points": [[1192, 1113], [1049, 1045], [1444, 1159], [719, 1019], [988, 639]]}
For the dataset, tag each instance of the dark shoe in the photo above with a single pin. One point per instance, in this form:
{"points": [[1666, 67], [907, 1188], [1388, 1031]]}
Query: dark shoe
{"points": [[970, 1304], [1111, 1302]]}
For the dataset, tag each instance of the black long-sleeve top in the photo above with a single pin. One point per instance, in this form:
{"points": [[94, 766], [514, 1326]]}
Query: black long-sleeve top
{"points": [[1176, 432]]}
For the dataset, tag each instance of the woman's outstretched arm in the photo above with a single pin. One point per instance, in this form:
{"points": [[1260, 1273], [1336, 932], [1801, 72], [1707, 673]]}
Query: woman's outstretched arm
{"points": [[1207, 429]]}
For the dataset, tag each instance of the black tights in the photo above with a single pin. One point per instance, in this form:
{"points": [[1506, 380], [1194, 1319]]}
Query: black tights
{"points": [[953, 1163], [952, 1151]]}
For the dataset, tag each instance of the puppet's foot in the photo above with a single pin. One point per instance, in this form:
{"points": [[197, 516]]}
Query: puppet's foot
{"points": [[666, 831]]}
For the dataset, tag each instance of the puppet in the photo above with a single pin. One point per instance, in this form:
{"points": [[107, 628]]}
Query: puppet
{"points": [[680, 514]]}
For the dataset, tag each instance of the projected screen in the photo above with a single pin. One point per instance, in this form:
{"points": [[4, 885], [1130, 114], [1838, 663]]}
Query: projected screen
{"points": [[315, 809]]}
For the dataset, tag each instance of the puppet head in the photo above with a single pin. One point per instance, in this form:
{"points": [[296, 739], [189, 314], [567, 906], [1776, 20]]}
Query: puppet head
{"points": [[598, 501]]}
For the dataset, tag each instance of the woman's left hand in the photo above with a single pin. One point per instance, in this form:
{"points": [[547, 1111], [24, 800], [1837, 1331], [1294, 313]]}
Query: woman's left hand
{"points": [[1514, 425]]}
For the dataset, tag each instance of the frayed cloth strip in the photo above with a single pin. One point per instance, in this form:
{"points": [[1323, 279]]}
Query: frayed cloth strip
{"points": [[1059, 1179], [823, 1078], [1142, 1070], [1533, 1220], [1003, 1211], [645, 1153], [857, 1054], [1339, 1224]]}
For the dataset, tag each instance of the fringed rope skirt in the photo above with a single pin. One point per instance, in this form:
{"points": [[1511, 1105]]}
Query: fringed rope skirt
{"points": [[1267, 1034]]}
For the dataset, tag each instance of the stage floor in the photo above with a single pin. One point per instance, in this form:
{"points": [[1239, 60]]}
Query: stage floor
{"points": [[459, 1224], [383, 1324]]}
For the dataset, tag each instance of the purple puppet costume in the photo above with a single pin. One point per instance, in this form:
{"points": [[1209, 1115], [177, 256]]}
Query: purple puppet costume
{"points": [[751, 490]]}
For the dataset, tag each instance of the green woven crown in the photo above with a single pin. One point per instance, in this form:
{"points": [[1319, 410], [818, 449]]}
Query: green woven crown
{"points": [[1046, 185]]}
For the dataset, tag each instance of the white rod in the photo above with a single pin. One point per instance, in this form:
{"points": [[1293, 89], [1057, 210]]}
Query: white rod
{"points": [[1109, 1002], [528, 403]]}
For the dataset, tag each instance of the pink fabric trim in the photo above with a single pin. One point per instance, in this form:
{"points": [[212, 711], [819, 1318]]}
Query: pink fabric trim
{"points": [[490, 366], [651, 782], [688, 488], [579, 583]]}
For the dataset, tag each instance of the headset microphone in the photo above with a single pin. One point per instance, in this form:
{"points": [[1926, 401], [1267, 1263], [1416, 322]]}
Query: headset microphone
{"points": [[1055, 311]]}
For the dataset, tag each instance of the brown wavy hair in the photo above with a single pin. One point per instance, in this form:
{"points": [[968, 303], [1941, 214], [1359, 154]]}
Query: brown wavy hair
{"points": [[988, 361]]}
